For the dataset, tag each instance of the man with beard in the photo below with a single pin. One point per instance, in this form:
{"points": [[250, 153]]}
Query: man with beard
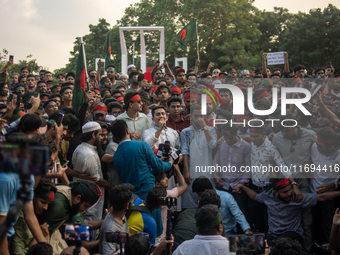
{"points": [[103, 136], [42, 87], [85, 160], [31, 82], [285, 214], [70, 199], [43, 196]]}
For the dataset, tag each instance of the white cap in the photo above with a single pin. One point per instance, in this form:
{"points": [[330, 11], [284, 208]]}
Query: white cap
{"points": [[90, 127], [131, 66], [123, 75]]}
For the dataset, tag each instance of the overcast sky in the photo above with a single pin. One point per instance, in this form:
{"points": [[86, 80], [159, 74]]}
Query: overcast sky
{"points": [[47, 29]]}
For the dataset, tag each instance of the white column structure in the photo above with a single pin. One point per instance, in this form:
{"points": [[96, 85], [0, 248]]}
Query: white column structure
{"points": [[183, 62], [124, 62]]}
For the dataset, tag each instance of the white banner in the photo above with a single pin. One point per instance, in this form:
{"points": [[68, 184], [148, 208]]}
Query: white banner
{"points": [[275, 58]]}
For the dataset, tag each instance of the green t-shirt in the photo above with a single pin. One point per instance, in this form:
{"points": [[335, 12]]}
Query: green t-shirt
{"points": [[22, 237]]}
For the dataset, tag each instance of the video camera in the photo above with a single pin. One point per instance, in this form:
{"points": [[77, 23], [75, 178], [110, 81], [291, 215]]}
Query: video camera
{"points": [[119, 239], [168, 201], [164, 150]]}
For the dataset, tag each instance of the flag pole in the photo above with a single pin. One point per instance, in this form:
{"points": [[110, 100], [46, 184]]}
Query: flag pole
{"points": [[81, 44], [198, 43]]}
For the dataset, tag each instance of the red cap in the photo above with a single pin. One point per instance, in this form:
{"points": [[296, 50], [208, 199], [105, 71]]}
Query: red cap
{"points": [[179, 70], [147, 76], [176, 89]]}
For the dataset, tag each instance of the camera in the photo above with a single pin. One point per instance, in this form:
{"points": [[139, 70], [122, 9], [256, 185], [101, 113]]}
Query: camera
{"points": [[243, 244], [77, 232], [116, 237], [164, 149]]}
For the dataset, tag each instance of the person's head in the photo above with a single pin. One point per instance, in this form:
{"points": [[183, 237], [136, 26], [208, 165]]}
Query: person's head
{"points": [[14, 78], [91, 132], [69, 251], [60, 78], [119, 130], [52, 121], [29, 123], [153, 196], [43, 195], [73, 126], [174, 106], [288, 132], [84, 195], [262, 104], [111, 72], [282, 189], [145, 96], [231, 72], [158, 113], [161, 180], [321, 118], [25, 71], [124, 78], [299, 71], [163, 92], [99, 111], [257, 134], [70, 77], [138, 244], [180, 75], [104, 134], [286, 246], [327, 141], [106, 83], [57, 99], [230, 134], [114, 108], [66, 93], [210, 105], [40, 249], [19, 88], [121, 197], [190, 99], [200, 185], [196, 114], [48, 76], [133, 102], [50, 106], [319, 71], [31, 81], [225, 96], [209, 220], [209, 197]]}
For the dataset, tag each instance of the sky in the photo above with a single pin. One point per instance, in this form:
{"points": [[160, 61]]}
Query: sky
{"points": [[47, 29]]}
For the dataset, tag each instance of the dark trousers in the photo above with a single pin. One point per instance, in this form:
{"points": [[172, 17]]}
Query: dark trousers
{"points": [[258, 216]]}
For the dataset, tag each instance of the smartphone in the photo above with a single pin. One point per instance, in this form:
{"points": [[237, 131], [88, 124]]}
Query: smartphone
{"points": [[243, 244], [36, 92], [18, 100], [25, 161], [11, 57], [321, 247], [316, 90], [77, 232], [117, 237], [65, 164], [60, 119], [10, 98]]}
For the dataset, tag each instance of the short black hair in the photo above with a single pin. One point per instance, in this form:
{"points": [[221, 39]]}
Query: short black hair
{"points": [[74, 123], [299, 67], [54, 96], [209, 197], [44, 140], [46, 185], [205, 215], [63, 89], [55, 115], [156, 108], [112, 105], [21, 77], [153, 196], [92, 185], [120, 196], [138, 244], [128, 97], [286, 246], [40, 249], [29, 122], [109, 99], [287, 122], [68, 110], [262, 102], [201, 184], [173, 99], [118, 130], [327, 133]]}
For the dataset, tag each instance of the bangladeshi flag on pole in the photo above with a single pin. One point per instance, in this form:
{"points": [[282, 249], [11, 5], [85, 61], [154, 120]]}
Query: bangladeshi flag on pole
{"points": [[79, 84], [107, 50], [187, 34]]}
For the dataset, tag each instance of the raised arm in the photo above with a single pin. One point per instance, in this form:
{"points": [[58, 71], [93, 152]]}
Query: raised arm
{"points": [[197, 64], [264, 64], [211, 65], [331, 116], [239, 187], [181, 181], [286, 70]]}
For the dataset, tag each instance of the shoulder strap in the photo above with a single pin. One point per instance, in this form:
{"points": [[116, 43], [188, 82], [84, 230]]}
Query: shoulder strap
{"points": [[139, 209]]}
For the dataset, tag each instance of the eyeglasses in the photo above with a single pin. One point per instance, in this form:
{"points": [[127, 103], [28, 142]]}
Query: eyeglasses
{"points": [[116, 113], [292, 149]]}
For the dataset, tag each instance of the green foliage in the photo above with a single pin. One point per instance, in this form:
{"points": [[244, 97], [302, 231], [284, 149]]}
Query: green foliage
{"points": [[312, 38]]}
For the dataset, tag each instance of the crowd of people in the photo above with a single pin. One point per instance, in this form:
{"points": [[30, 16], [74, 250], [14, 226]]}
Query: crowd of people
{"points": [[139, 138]]}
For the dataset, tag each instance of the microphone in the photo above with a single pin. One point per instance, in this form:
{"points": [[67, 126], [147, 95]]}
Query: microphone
{"points": [[165, 127]]}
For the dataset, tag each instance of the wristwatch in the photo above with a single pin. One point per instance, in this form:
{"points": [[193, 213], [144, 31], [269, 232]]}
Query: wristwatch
{"points": [[294, 183], [205, 128]]}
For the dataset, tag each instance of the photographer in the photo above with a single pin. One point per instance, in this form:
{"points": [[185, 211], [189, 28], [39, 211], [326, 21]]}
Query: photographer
{"points": [[140, 157]]}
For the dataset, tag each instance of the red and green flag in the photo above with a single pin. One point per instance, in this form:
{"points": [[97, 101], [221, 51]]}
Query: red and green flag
{"points": [[107, 50], [187, 34], [79, 84]]}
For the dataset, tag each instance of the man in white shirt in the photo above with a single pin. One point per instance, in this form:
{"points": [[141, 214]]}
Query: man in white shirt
{"points": [[326, 158], [209, 239], [85, 160], [160, 133]]}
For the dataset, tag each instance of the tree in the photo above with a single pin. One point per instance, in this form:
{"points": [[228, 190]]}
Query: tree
{"points": [[312, 38]]}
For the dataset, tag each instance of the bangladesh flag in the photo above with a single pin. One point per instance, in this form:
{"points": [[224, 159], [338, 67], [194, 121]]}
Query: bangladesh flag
{"points": [[79, 84], [187, 34], [107, 50]]}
